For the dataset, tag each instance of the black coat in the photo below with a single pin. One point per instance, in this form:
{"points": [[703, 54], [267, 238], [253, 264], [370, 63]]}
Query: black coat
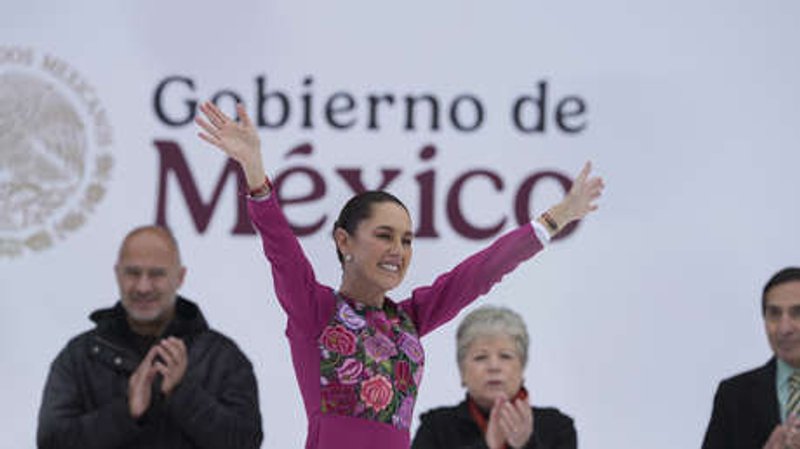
{"points": [[454, 428], [85, 398], [745, 411]]}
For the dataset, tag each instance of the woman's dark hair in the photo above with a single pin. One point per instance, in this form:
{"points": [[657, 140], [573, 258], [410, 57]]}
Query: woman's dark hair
{"points": [[358, 209]]}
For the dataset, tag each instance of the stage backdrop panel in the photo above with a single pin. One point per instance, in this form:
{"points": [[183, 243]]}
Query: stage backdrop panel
{"points": [[477, 114]]}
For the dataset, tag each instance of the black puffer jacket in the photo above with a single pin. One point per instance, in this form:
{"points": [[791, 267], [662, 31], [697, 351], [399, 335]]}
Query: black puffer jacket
{"points": [[85, 399]]}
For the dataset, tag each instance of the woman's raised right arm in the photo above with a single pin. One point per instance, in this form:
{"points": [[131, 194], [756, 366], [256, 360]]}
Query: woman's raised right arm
{"points": [[305, 301]]}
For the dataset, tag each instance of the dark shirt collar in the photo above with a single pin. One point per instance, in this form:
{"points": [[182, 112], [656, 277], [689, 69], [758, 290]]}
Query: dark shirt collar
{"points": [[113, 324]]}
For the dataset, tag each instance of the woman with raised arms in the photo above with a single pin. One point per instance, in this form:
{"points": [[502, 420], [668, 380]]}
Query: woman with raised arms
{"points": [[356, 353]]}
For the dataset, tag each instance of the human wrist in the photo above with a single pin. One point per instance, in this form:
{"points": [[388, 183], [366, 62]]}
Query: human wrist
{"points": [[253, 171], [135, 410], [264, 188], [555, 219], [254, 177], [492, 445], [560, 214], [549, 223]]}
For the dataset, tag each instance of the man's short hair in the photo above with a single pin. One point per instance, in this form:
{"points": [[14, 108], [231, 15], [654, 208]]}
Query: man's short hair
{"points": [[787, 274]]}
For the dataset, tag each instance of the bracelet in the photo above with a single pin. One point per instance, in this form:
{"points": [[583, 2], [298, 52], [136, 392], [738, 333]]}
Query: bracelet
{"points": [[549, 221], [262, 190]]}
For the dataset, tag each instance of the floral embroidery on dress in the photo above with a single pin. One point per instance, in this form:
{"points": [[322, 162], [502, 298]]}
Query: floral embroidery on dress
{"points": [[338, 339], [371, 363]]}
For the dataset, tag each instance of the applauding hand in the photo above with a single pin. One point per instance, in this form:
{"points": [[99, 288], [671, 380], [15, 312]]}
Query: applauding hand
{"points": [[509, 423]]}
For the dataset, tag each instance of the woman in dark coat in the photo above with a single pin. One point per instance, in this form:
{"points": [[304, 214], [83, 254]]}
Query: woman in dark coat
{"points": [[492, 350]]}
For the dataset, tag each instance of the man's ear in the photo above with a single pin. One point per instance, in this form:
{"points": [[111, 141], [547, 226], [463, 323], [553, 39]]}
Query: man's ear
{"points": [[181, 276]]}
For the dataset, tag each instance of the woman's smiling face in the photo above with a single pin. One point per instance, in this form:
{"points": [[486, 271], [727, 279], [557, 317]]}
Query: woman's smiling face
{"points": [[378, 254]]}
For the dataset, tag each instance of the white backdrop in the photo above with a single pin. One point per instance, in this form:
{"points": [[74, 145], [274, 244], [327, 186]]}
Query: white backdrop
{"points": [[690, 113]]}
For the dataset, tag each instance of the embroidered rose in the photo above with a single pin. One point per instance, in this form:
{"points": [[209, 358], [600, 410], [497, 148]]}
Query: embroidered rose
{"points": [[350, 318], [339, 399], [402, 376], [376, 392], [379, 347], [402, 418], [350, 371], [410, 345], [377, 319], [338, 339]]}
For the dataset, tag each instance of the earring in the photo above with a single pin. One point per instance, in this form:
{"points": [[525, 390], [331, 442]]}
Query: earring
{"points": [[348, 257]]}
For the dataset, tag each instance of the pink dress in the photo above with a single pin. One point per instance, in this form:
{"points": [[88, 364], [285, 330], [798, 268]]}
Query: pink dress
{"points": [[359, 367]]}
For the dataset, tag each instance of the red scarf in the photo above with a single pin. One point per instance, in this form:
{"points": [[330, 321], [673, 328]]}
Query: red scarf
{"points": [[478, 417]]}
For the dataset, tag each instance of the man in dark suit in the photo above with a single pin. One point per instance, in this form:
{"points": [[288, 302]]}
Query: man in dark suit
{"points": [[757, 409]]}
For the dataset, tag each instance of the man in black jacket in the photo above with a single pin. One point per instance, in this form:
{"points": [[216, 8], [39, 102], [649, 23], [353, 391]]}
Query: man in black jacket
{"points": [[752, 409], [151, 374]]}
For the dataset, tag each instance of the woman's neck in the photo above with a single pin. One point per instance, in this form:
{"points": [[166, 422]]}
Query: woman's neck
{"points": [[358, 293]]}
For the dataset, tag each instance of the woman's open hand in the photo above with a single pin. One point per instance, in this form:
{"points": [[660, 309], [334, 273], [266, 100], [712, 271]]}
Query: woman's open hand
{"points": [[239, 140]]}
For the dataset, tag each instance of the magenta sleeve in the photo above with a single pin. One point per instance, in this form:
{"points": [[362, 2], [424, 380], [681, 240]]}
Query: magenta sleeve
{"points": [[307, 303], [433, 305]]}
